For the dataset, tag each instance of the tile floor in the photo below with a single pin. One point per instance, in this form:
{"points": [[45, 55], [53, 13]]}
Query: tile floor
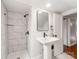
{"points": [[24, 55], [18, 55]]}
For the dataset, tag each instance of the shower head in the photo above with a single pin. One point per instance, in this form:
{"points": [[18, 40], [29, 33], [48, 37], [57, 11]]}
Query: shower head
{"points": [[26, 15]]}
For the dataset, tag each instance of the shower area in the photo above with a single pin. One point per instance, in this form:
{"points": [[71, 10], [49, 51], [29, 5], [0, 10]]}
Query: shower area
{"points": [[70, 30], [69, 34], [14, 31]]}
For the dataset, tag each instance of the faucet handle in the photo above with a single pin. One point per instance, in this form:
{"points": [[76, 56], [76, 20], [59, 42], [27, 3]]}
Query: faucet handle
{"points": [[55, 35], [27, 33]]}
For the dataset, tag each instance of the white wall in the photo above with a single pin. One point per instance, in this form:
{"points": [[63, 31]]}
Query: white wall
{"points": [[35, 47], [58, 27], [68, 12], [4, 51], [57, 24], [17, 27], [65, 32]]}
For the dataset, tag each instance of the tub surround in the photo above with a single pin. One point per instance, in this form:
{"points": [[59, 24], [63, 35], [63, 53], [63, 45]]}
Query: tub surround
{"points": [[17, 38]]}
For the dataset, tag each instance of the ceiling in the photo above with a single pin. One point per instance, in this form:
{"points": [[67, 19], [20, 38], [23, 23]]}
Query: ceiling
{"points": [[56, 5]]}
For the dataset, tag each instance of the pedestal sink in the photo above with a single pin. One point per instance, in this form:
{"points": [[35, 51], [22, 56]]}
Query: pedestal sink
{"points": [[46, 42]]}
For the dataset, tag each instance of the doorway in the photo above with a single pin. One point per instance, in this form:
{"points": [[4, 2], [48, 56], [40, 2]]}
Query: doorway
{"points": [[69, 35]]}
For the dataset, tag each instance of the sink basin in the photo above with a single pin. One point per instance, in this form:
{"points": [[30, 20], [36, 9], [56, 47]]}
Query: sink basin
{"points": [[47, 40]]}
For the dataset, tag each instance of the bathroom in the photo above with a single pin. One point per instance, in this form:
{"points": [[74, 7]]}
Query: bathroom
{"points": [[21, 29]]}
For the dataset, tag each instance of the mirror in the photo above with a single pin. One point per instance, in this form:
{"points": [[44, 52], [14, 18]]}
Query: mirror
{"points": [[42, 21]]}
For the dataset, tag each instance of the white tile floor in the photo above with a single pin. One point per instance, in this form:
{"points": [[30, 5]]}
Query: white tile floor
{"points": [[18, 55], [24, 55]]}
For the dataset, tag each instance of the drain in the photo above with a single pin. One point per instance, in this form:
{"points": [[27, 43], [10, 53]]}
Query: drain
{"points": [[18, 57]]}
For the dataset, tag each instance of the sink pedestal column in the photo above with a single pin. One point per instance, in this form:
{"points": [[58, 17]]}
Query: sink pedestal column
{"points": [[47, 53]]}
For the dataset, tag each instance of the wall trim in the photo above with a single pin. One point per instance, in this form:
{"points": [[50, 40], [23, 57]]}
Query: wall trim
{"points": [[68, 12]]}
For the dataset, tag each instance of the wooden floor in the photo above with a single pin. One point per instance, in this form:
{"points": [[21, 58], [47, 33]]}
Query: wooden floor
{"points": [[71, 50]]}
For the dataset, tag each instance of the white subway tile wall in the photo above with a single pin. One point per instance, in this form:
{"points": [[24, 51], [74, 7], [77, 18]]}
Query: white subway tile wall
{"points": [[17, 27]]}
